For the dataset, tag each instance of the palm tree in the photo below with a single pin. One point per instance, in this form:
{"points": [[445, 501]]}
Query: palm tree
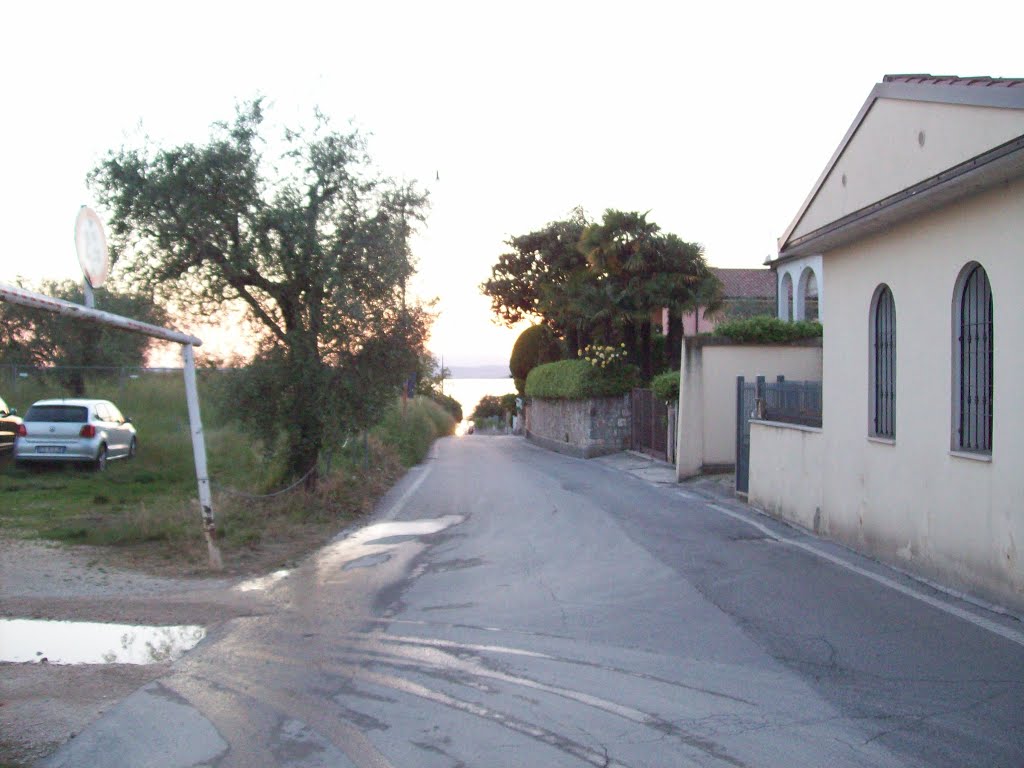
{"points": [[638, 271]]}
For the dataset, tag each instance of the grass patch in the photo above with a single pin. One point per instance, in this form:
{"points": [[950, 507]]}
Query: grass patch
{"points": [[147, 507]]}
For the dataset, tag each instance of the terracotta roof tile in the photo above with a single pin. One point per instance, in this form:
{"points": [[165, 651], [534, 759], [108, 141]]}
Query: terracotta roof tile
{"points": [[982, 81], [746, 283]]}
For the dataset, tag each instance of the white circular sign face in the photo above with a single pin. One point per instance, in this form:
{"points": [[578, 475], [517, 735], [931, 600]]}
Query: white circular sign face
{"points": [[91, 244]]}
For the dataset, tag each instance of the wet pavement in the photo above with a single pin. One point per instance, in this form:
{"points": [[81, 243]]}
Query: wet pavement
{"points": [[513, 607]]}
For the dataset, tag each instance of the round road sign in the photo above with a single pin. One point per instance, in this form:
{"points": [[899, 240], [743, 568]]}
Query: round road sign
{"points": [[91, 244]]}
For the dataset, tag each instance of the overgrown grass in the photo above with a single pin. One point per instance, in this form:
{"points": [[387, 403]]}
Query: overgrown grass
{"points": [[410, 430], [149, 503]]}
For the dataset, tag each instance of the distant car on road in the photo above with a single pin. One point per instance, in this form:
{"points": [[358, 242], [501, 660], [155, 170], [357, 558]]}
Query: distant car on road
{"points": [[9, 423], [79, 430]]}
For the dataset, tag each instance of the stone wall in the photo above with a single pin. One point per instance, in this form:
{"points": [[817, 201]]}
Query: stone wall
{"points": [[581, 428]]}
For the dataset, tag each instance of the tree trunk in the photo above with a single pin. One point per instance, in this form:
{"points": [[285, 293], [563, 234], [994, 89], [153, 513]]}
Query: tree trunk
{"points": [[305, 428], [674, 341], [645, 351]]}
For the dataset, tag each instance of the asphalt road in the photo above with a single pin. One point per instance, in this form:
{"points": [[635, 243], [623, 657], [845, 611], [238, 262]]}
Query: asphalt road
{"points": [[513, 607]]}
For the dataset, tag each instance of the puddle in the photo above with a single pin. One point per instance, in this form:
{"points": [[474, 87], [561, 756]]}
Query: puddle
{"points": [[79, 642], [262, 582], [368, 546]]}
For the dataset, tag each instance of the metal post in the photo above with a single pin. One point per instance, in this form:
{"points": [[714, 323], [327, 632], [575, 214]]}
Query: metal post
{"points": [[199, 452], [90, 297], [740, 416], [760, 404]]}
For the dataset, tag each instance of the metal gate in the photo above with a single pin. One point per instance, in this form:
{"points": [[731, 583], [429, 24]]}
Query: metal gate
{"points": [[790, 402], [746, 395], [650, 424]]}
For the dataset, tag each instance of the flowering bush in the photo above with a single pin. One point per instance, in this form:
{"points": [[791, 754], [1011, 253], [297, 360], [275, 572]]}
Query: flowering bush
{"points": [[601, 356]]}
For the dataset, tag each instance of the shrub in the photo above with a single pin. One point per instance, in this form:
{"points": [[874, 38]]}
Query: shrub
{"points": [[450, 404], [490, 406], [535, 346], [768, 330], [666, 386], [579, 380], [411, 433]]}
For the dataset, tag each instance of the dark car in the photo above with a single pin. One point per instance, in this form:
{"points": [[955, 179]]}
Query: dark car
{"points": [[9, 422]]}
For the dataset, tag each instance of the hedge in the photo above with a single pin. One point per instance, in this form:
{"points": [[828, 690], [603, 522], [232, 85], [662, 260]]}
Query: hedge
{"points": [[579, 380], [666, 386], [768, 330], [535, 345]]}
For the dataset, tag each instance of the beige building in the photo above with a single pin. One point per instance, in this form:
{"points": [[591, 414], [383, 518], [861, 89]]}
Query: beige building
{"points": [[917, 224]]}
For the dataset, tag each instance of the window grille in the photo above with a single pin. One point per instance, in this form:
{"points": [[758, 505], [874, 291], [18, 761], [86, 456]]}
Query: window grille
{"points": [[884, 422], [976, 363]]}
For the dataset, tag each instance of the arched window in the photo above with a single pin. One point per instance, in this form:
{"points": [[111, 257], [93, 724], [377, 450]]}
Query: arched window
{"points": [[807, 295], [973, 361], [787, 296], [883, 363]]}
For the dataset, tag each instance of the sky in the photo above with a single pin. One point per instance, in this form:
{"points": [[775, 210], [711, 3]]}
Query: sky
{"points": [[716, 119]]}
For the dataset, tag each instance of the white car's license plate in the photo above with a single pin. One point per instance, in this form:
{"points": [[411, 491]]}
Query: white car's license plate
{"points": [[50, 449]]}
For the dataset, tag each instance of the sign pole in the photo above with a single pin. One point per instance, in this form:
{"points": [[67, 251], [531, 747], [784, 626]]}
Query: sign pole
{"points": [[199, 452]]}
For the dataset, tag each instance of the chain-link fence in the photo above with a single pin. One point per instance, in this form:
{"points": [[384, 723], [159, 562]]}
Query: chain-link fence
{"points": [[18, 381]]}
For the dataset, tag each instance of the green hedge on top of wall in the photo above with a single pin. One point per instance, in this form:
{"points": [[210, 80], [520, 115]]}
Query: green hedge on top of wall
{"points": [[666, 386], [768, 330], [579, 380]]}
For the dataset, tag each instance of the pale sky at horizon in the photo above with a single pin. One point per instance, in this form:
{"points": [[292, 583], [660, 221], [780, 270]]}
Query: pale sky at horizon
{"points": [[716, 120]]}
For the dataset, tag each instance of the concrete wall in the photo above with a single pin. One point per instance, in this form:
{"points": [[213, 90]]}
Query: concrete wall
{"points": [[900, 143], [707, 392], [786, 479], [913, 500], [582, 428]]}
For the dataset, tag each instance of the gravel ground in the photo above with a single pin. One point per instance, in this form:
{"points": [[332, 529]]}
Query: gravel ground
{"points": [[42, 705]]}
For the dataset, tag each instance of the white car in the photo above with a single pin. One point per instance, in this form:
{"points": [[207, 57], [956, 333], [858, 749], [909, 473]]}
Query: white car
{"points": [[79, 430]]}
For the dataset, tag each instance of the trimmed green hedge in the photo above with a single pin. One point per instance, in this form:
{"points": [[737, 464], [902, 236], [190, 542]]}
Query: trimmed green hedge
{"points": [[666, 386], [535, 346], [579, 380], [768, 330]]}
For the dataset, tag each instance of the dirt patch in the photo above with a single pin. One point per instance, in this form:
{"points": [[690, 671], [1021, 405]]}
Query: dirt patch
{"points": [[43, 705]]}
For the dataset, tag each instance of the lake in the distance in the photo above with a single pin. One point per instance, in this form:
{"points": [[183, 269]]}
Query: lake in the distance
{"points": [[469, 391]]}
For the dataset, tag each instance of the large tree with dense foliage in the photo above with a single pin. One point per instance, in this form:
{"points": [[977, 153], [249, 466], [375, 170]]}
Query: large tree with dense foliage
{"points": [[539, 278], [640, 270], [316, 246], [602, 282], [32, 337]]}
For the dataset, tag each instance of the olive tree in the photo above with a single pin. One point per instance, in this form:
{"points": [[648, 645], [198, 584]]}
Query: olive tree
{"points": [[315, 245]]}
